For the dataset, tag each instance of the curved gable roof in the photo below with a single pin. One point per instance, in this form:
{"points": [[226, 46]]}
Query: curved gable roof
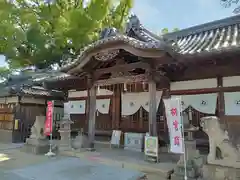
{"points": [[143, 43]]}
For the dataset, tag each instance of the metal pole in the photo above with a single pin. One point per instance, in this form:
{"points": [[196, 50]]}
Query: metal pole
{"points": [[183, 141]]}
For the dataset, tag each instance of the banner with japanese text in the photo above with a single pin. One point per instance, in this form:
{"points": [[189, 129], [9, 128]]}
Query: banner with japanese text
{"points": [[174, 122], [49, 119]]}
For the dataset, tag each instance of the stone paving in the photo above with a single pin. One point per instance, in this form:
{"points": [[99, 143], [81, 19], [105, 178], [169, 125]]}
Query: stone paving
{"points": [[127, 159], [72, 168], [23, 166]]}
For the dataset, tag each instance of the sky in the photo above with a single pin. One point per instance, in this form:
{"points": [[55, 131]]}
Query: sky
{"points": [[158, 14]]}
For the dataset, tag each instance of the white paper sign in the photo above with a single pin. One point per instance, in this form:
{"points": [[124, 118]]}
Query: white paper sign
{"points": [[151, 146], [116, 136], [133, 141], [173, 109]]}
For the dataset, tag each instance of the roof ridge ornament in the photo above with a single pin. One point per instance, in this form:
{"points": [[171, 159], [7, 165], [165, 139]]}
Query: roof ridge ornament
{"points": [[133, 23], [108, 32]]}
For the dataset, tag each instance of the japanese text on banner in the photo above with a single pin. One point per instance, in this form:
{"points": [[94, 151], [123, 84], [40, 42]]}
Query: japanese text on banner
{"points": [[173, 109], [49, 119]]}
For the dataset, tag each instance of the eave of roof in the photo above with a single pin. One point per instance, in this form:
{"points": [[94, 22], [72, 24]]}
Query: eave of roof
{"points": [[210, 38], [40, 91]]}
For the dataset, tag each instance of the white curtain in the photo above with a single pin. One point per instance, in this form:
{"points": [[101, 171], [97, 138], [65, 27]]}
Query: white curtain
{"points": [[232, 103], [205, 103], [144, 99], [102, 105], [77, 107], [130, 103], [184, 101]]}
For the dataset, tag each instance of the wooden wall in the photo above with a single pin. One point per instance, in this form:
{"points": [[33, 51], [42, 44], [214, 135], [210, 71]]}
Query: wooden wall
{"points": [[105, 123]]}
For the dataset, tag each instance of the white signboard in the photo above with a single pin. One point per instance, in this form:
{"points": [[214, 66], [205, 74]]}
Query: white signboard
{"points": [[173, 109], [133, 141], [116, 136], [151, 146]]}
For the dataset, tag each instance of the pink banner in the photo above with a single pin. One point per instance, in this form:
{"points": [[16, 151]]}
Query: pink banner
{"points": [[49, 119], [174, 121]]}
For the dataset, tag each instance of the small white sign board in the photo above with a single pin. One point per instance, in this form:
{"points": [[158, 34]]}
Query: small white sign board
{"points": [[151, 146], [116, 136]]}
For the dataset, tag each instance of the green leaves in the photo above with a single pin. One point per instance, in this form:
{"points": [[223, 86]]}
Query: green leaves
{"points": [[121, 12], [166, 30], [41, 33]]}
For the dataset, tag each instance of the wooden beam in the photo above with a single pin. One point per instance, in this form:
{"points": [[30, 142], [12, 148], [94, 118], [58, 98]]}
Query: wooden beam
{"points": [[205, 91], [152, 115], [207, 71], [121, 68], [122, 80]]}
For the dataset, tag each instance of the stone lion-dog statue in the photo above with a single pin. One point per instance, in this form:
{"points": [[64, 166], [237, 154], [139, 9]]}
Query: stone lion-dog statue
{"points": [[37, 128], [219, 143]]}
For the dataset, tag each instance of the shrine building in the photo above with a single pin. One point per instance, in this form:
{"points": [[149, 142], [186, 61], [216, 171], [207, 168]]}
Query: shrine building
{"points": [[119, 82]]}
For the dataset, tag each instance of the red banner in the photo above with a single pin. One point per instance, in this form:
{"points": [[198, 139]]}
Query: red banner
{"points": [[49, 119]]}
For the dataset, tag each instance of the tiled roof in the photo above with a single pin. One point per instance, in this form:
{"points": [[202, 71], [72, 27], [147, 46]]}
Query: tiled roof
{"points": [[37, 77], [31, 83], [205, 39], [51, 76], [29, 90], [214, 37], [40, 91], [144, 40]]}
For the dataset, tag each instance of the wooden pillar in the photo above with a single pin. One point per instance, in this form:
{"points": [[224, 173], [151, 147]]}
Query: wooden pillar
{"points": [[152, 118], [166, 95], [87, 110], [118, 110], [91, 113], [221, 102]]}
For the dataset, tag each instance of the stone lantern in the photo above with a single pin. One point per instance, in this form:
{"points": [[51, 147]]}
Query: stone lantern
{"points": [[65, 130]]}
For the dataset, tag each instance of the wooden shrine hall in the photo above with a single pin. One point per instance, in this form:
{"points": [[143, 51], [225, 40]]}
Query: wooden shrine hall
{"points": [[125, 76]]}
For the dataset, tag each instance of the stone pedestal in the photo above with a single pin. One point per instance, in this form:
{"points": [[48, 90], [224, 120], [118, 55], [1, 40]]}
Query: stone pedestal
{"points": [[80, 141], [65, 142], [37, 143], [65, 133], [36, 146], [217, 172], [194, 163]]}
